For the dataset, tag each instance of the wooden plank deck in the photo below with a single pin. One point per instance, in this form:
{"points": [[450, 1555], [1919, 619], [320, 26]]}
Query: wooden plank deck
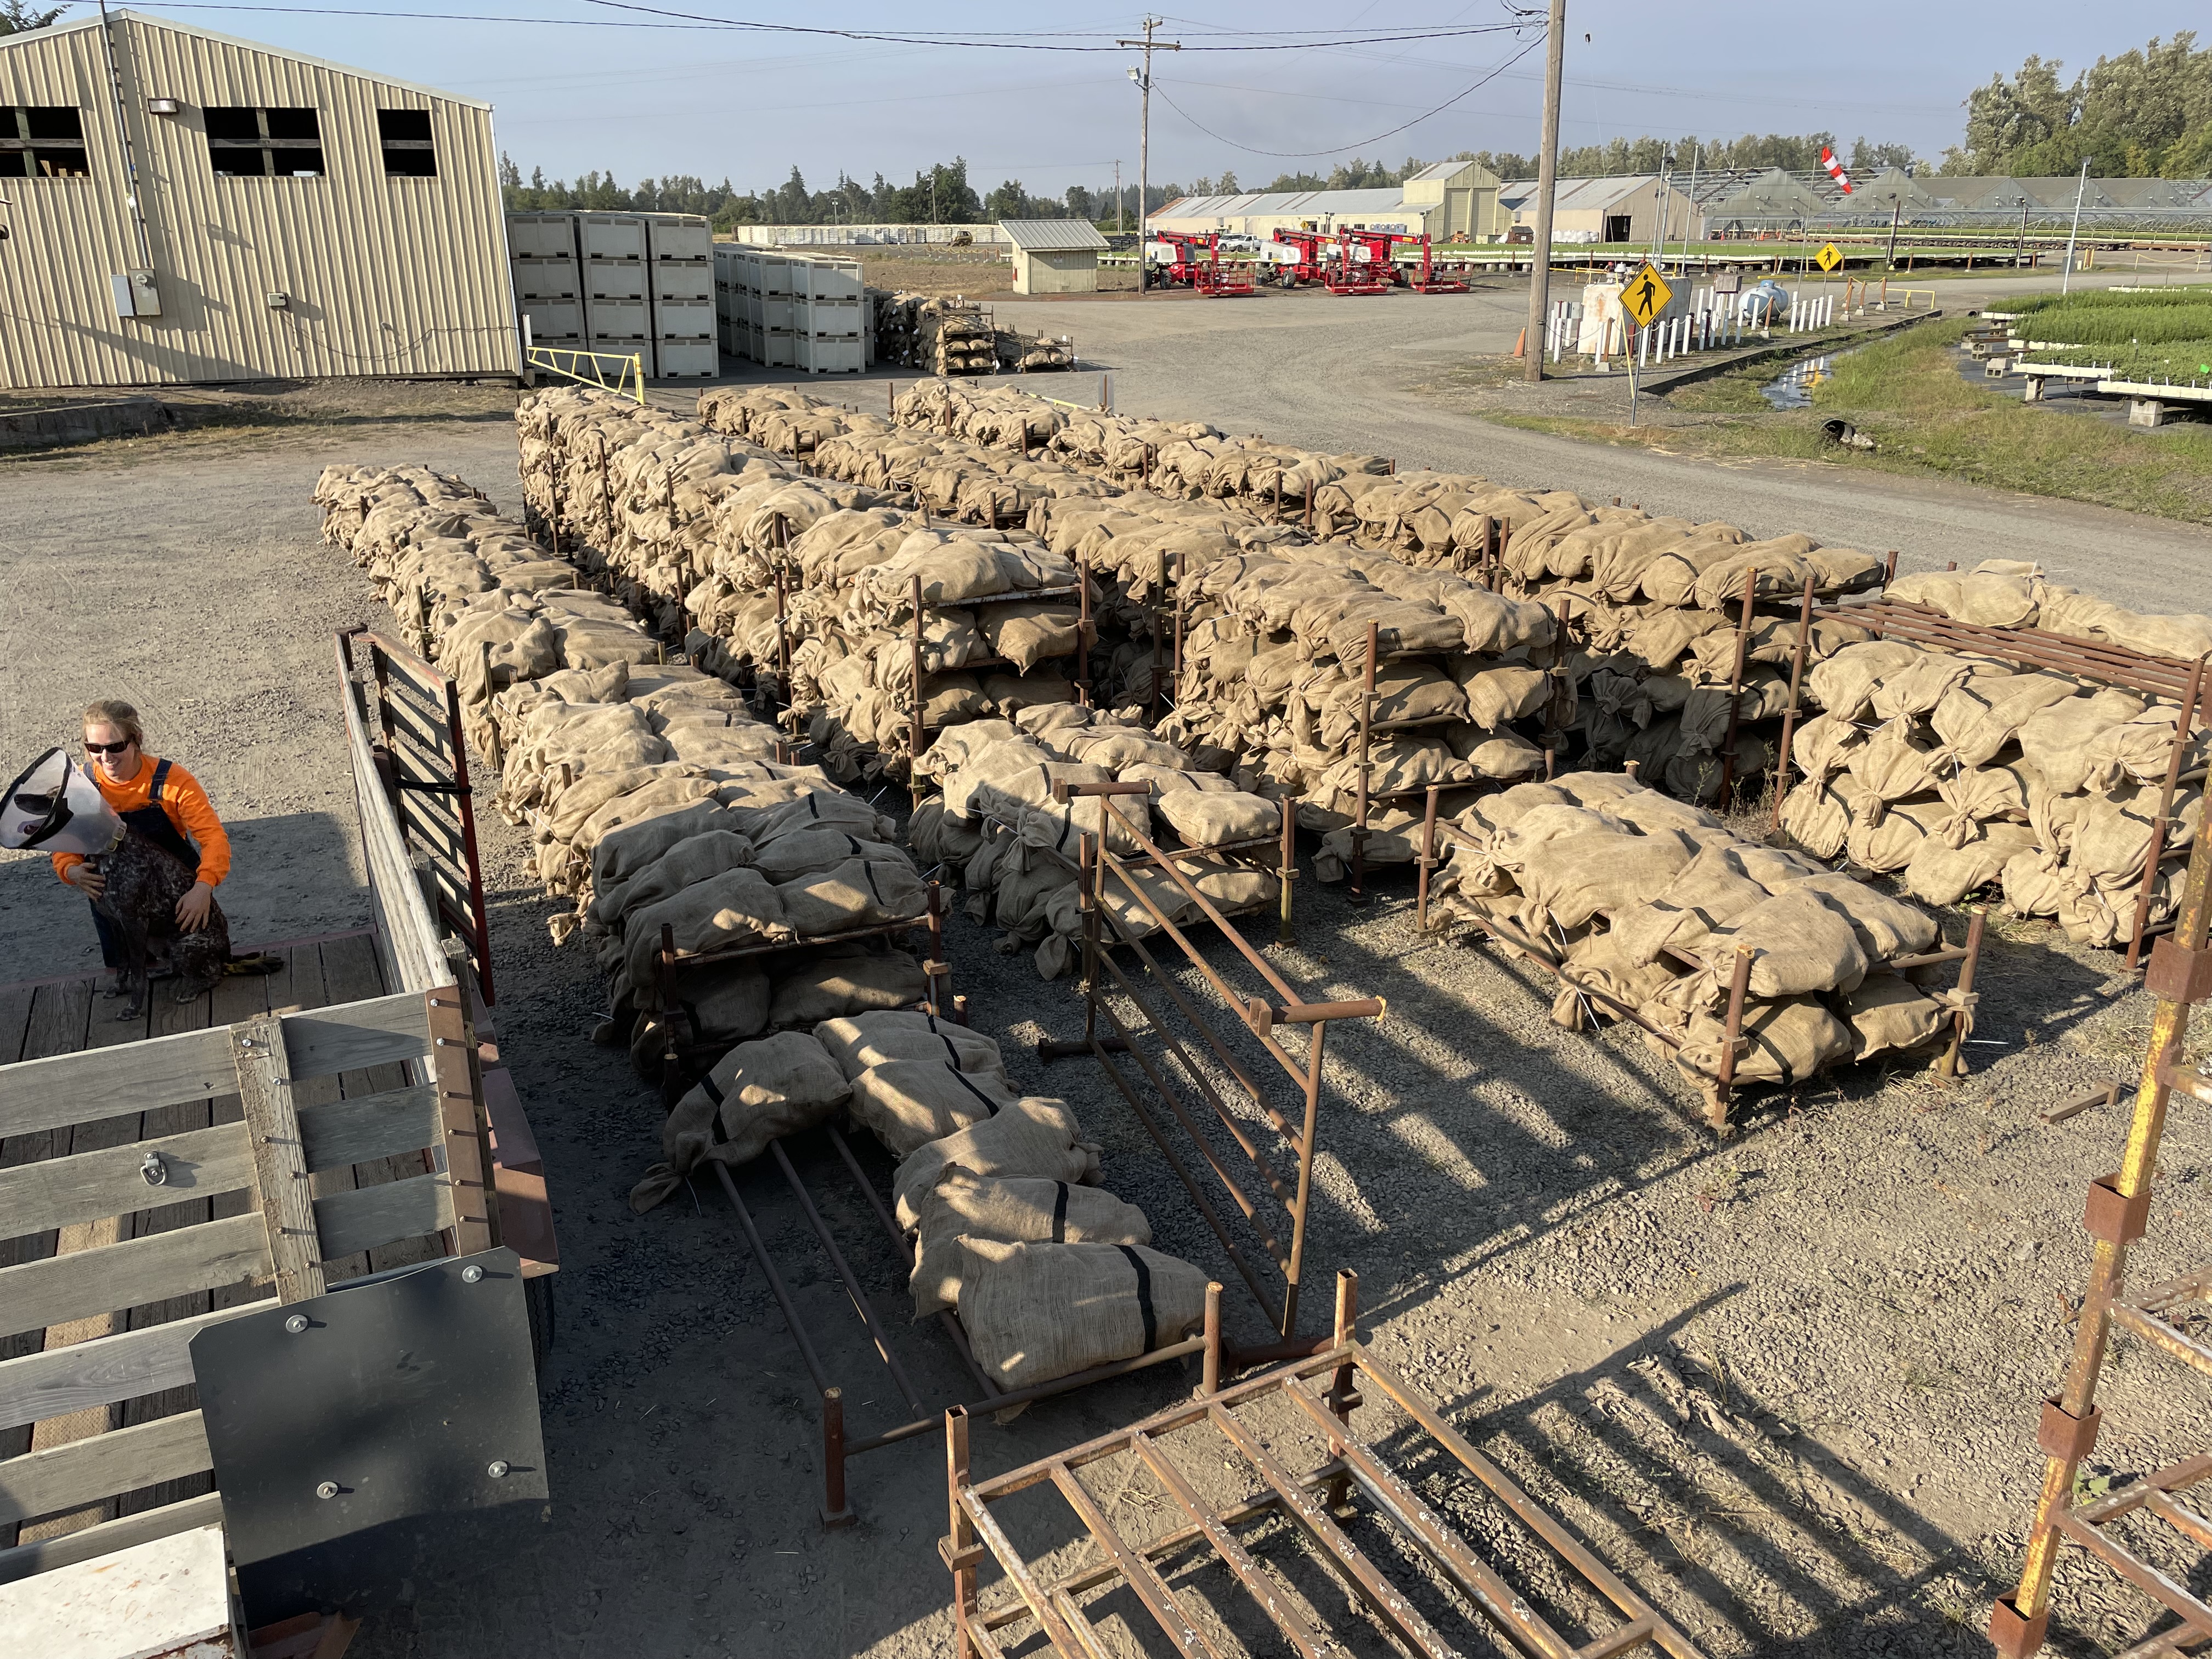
{"points": [[66, 1015]]}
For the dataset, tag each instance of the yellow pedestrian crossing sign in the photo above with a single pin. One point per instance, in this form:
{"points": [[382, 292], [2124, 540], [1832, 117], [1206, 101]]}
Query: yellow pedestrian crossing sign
{"points": [[1645, 296], [1829, 256]]}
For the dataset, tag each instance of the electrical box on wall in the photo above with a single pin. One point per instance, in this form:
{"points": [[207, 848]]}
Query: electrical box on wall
{"points": [[136, 294]]}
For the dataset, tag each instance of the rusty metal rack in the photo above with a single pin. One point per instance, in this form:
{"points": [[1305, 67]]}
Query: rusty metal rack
{"points": [[1719, 1085], [2117, 1215], [1261, 1014], [2177, 679], [1264, 1429], [678, 1055], [1283, 847], [1369, 727], [421, 758], [837, 1449]]}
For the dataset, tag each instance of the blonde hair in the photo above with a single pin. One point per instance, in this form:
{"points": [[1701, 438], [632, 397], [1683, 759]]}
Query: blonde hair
{"points": [[113, 711]]}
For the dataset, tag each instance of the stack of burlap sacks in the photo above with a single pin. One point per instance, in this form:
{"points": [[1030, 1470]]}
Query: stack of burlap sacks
{"points": [[1000, 1192], [1033, 354], [1647, 899], [935, 335], [997, 826], [1953, 772], [654, 797]]}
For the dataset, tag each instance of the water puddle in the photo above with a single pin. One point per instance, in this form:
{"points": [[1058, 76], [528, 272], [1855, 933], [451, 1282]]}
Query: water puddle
{"points": [[1794, 388]]}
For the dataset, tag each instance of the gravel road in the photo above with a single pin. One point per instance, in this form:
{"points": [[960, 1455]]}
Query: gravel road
{"points": [[1787, 1383]]}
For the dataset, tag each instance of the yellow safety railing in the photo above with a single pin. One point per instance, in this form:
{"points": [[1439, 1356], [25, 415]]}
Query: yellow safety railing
{"points": [[628, 372]]}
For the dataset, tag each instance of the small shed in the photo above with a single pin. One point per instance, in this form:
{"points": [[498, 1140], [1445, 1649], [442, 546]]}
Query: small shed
{"points": [[1053, 255]]}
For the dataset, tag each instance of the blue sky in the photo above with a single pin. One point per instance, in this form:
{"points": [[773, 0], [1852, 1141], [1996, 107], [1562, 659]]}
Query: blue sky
{"points": [[748, 105]]}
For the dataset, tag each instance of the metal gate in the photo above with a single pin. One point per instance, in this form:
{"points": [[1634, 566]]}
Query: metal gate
{"points": [[413, 716]]}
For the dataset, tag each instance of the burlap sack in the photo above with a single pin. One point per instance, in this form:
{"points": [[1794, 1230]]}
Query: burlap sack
{"points": [[964, 1205], [1786, 1042], [1888, 1012], [1035, 1312], [1496, 694], [1494, 754], [1800, 945], [1214, 817], [1602, 962], [841, 982], [1977, 718], [738, 906], [908, 1103], [861, 892], [1818, 816], [1943, 874], [701, 858], [1884, 839], [1577, 876], [2061, 740], [1892, 764], [1888, 927], [1035, 1137], [861, 1041], [624, 852], [1028, 632], [755, 1093], [1843, 684], [1706, 895], [810, 851]]}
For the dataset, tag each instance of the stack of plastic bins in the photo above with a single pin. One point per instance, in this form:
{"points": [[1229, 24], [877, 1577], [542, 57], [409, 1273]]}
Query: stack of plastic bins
{"points": [[829, 338], [727, 303], [779, 321], [541, 251], [680, 290], [617, 320]]}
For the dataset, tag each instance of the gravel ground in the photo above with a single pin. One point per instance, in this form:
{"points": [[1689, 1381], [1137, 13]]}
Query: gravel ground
{"points": [[1785, 1383]]}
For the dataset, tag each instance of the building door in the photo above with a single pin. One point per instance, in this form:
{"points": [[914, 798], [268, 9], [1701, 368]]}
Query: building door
{"points": [[1616, 227]]}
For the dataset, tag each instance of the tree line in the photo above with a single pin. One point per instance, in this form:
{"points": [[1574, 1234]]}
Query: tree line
{"points": [[2147, 113]]}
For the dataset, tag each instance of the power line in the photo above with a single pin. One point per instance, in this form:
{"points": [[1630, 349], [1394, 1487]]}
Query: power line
{"points": [[1308, 155]]}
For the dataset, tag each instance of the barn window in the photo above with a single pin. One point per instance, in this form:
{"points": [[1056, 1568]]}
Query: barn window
{"points": [[244, 142], [405, 135], [42, 141]]}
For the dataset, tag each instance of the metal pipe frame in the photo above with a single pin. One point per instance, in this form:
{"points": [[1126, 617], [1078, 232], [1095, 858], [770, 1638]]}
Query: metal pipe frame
{"points": [[2117, 1215], [1719, 1085], [1048, 1607], [1103, 931]]}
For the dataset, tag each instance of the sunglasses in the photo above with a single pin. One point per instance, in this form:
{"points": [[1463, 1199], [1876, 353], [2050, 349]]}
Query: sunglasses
{"points": [[106, 748]]}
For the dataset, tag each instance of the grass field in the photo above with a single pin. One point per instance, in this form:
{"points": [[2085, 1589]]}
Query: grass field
{"points": [[2162, 336], [1906, 393]]}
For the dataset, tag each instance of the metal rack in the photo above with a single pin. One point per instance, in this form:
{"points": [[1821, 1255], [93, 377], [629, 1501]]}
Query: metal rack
{"points": [[2172, 678], [1260, 1013], [1435, 1555], [2116, 1214], [1719, 1086]]}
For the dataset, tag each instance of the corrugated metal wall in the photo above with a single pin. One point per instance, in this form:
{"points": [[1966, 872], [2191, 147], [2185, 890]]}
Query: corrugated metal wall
{"points": [[384, 276]]}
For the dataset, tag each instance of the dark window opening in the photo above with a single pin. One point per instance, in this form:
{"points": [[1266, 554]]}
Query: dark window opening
{"points": [[42, 141], [260, 143], [405, 136]]}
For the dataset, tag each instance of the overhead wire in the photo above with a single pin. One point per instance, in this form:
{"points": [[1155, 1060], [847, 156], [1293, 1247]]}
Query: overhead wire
{"points": [[1337, 149]]}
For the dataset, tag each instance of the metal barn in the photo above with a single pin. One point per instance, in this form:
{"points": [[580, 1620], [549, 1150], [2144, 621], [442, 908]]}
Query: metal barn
{"points": [[182, 207]]}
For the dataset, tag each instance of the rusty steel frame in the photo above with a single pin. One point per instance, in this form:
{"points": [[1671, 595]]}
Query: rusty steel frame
{"points": [[2117, 1213], [1719, 1085], [837, 1448], [1312, 1499], [937, 970], [414, 774], [2180, 679], [1101, 932]]}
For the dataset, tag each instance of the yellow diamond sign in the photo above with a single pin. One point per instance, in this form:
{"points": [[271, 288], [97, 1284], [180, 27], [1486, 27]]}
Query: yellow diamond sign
{"points": [[1645, 296], [1829, 256]]}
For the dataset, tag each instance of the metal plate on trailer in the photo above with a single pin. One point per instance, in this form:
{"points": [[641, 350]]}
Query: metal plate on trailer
{"points": [[375, 1436]]}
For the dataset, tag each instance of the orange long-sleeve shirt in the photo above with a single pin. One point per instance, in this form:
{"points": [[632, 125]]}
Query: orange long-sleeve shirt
{"points": [[183, 801]]}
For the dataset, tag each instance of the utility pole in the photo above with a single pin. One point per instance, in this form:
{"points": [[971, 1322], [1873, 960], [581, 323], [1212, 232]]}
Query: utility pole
{"points": [[1896, 212], [1143, 144], [1548, 180], [2066, 282], [1117, 198], [1689, 219], [2020, 248]]}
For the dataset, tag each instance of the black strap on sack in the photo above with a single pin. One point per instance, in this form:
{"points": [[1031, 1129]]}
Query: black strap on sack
{"points": [[1144, 1295], [713, 1092], [990, 1106], [870, 870], [1060, 1215]]}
